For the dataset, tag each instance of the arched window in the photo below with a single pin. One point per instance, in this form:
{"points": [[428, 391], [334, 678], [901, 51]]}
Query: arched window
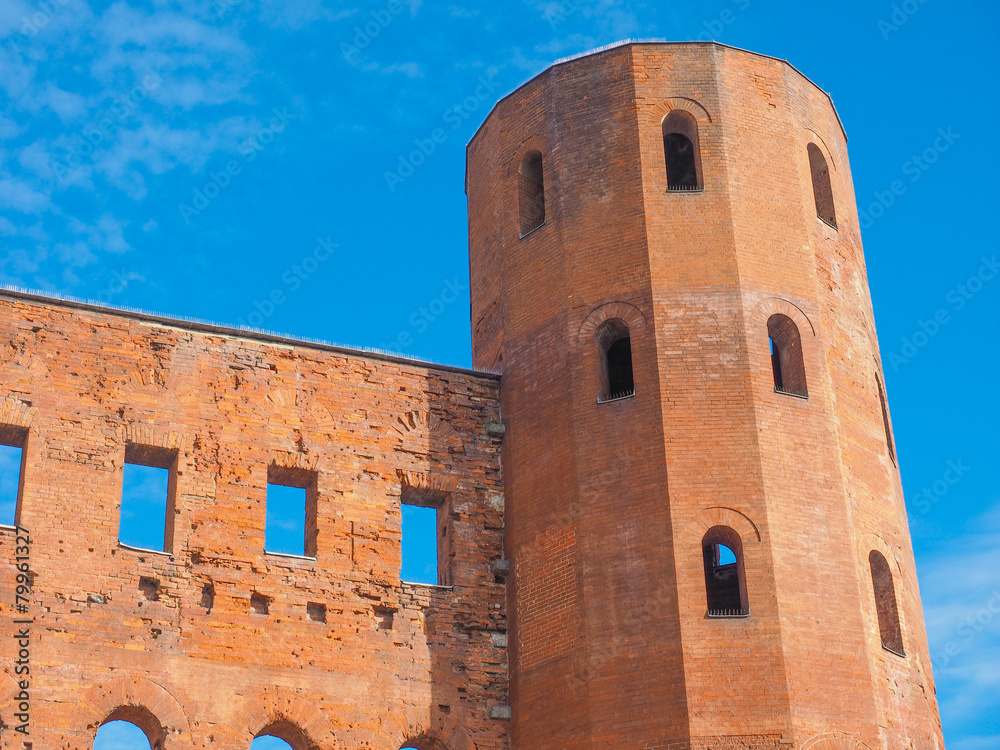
{"points": [[531, 192], [615, 345], [132, 727], [786, 356], [281, 735], [885, 603], [822, 191], [725, 580], [681, 151], [885, 419]]}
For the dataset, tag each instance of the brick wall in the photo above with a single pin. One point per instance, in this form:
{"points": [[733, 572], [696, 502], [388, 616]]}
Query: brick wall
{"points": [[392, 663]]}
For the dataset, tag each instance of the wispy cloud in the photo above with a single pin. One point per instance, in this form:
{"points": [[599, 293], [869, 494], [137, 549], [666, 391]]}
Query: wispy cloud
{"points": [[960, 588]]}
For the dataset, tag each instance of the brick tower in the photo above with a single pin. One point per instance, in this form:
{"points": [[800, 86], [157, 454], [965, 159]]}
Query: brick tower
{"points": [[667, 268]]}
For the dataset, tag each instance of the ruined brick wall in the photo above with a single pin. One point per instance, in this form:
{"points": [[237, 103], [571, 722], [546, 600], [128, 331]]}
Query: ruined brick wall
{"points": [[123, 633], [605, 525]]}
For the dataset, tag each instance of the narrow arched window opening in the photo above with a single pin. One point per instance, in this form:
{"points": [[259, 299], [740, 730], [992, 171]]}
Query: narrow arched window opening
{"points": [[885, 420], [787, 364], [531, 192], [885, 603], [822, 189], [681, 151], [614, 342], [725, 578]]}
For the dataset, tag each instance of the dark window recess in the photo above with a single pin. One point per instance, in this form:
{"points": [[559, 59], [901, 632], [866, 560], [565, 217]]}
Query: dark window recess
{"points": [[822, 189], [531, 192], [615, 346], [725, 586], [208, 596], [681, 151], [885, 603], [885, 420], [786, 356], [259, 604], [316, 612], [150, 588]]}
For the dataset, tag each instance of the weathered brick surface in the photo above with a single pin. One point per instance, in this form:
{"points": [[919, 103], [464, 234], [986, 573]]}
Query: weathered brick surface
{"points": [[85, 383], [620, 494]]}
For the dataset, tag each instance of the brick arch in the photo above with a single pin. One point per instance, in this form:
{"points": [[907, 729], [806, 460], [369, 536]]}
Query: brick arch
{"points": [[149, 706], [661, 109], [426, 483], [813, 137], [295, 460], [536, 142], [834, 741], [293, 718], [27, 371], [15, 413], [447, 733], [777, 306], [426, 430], [144, 433], [720, 516], [625, 311]]}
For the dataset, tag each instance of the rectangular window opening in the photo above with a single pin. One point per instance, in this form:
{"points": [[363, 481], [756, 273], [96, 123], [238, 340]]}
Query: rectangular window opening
{"points": [[12, 441], [146, 519], [425, 538], [290, 524]]}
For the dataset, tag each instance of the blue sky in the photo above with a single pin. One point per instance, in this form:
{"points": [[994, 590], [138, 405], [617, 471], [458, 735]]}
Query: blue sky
{"points": [[239, 174]]}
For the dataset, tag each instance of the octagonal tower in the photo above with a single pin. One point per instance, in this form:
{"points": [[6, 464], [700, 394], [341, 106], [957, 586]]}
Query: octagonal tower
{"points": [[666, 267]]}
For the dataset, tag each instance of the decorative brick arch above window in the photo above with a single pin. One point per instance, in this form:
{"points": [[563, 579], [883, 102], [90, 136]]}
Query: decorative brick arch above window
{"points": [[834, 741], [777, 306], [446, 733], [628, 313], [663, 108], [16, 413], [290, 717], [720, 516], [424, 431], [149, 706]]}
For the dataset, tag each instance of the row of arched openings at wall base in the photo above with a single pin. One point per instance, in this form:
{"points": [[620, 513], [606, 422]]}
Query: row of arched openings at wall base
{"points": [[124, 735]]}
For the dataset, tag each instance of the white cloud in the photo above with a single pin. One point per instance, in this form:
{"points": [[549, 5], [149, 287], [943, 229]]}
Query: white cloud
{"points": [[19, 195], [960, 589]]}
